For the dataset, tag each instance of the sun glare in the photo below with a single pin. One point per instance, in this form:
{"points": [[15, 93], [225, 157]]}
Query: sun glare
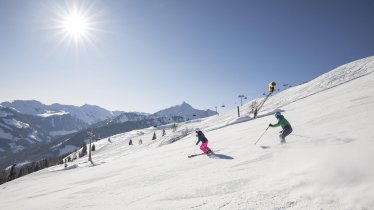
{"points": [[76, 24]]}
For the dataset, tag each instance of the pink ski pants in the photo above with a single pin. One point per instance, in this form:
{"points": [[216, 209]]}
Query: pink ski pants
{"points": [[204, 147]]}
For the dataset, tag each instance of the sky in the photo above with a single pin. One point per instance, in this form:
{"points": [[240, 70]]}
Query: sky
{"points": [[147, 55]]}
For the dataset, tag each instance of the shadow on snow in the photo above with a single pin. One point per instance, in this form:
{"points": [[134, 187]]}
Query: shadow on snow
{"points": [[220, 156]]}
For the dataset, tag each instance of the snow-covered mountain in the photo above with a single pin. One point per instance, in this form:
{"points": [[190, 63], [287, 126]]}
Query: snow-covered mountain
{"points": [[128, 121], [28, 124], [87, 113], [325, 164], [68, 132], [185, 111], [178, 113], [19, 131], [128, 116]]}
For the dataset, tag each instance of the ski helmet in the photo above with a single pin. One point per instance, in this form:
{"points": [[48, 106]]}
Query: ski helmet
{"points": [[277, 114], [197, 129]]}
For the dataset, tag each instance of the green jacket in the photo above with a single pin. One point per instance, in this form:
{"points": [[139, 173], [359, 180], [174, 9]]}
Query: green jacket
{"points": [[281, 122]]}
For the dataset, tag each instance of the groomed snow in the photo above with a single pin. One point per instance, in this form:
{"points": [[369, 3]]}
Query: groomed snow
{"points": [[326, 163]]}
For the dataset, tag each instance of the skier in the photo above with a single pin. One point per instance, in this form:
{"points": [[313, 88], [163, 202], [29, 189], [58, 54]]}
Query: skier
{"points": [[130, 142], [286, 126], [204, 146]]}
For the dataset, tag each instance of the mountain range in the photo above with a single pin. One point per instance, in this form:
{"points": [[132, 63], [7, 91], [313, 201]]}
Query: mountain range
{"points": [[31, 130]]}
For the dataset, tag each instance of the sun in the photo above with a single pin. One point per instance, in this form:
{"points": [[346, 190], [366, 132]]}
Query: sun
{"points": [[76, 24]]}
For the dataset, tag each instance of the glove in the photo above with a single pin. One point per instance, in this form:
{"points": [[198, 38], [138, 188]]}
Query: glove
{"points": [[270, 125]]}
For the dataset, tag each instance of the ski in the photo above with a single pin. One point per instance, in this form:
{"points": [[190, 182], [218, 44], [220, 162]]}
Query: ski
{"points": [[194, 155], [212, 153]]}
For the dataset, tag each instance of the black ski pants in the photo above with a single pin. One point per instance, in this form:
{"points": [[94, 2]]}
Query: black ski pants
{"points": [[285, 132]]}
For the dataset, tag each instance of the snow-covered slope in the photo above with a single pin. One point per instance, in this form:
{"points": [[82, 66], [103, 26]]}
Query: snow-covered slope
{"points": [[326, 163]]}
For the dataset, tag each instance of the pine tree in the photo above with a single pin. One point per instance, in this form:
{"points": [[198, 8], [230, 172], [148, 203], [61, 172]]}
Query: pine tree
{"points": [[253, 106], [36, 166], [21, 172], [154, 136], [12, 173], [84, 150], [174, 127], [2, 177], [30, 169]]}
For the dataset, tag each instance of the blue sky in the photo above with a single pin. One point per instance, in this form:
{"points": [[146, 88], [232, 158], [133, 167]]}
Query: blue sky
{"points": [[146, 55]]}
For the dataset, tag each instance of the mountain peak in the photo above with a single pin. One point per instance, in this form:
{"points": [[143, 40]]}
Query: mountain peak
{"points": [[185, 104], [184, 110]]}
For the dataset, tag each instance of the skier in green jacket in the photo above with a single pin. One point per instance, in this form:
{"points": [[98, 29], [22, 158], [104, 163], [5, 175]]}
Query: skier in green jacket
{"points": [[286, 126]]}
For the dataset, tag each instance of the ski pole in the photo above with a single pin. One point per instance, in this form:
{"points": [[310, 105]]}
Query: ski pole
{"points": [[262, 134]]}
